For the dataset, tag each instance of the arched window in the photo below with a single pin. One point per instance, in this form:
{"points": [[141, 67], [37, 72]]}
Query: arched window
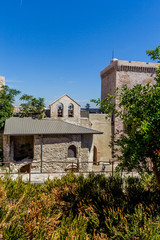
{"points": [[95, 156], [60, 110], [70, 110], [72, 152]]}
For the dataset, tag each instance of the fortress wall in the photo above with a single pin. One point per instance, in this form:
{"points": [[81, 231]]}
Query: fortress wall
{"points": [[101, 141]]}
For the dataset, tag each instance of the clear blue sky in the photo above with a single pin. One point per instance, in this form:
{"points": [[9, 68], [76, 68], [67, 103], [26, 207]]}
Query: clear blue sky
{"points": [[49, 48]]}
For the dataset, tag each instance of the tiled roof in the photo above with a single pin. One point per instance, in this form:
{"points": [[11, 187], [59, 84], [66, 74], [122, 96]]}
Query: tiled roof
{"points": [[30, 126]]}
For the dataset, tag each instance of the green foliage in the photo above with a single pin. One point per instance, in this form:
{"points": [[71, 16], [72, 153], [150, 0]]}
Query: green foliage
{"points": [[87, 106], [139, 109], [15, 188], [141, 117], [71, 228], [80, 208], [32, 106], [14, 232], [154, 54], [140, 225], [7, 98]]}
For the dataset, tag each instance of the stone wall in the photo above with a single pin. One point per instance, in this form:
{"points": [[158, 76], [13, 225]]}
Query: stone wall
{"points": [[86, 153], [120, 73], [84, 122], [108, 82], [130, 78], [55, 148], [66, 100], [101, 141], [6, 148]]}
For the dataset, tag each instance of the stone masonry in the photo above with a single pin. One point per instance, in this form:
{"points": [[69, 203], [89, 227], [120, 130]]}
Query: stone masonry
{"points": [[129, 73], [100, 122], [120, 73], [55, 148], [65, 101], [49, 148]]}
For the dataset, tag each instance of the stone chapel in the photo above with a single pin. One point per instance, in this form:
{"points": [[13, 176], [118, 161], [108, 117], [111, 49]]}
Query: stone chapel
{"points": [[68, 138]]}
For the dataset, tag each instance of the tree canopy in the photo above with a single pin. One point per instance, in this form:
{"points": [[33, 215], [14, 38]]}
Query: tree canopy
{"points": [[32, 106], [7, 99], [139, 109], [87, 107]]}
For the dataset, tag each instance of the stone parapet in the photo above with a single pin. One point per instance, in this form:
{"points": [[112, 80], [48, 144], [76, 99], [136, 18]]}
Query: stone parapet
{"points": [[132, 66]]}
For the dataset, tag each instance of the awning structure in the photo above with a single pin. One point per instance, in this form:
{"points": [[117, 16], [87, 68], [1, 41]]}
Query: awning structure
{"points": [[30, 126]]}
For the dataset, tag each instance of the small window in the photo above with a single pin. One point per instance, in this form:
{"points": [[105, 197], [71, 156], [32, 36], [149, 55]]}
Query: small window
{"points": [[95, 156], [60, 110], [70, 110], [72, 152]]}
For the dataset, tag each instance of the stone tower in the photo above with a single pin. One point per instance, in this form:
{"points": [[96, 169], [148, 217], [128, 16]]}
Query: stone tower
{"points": [[129, 73]]}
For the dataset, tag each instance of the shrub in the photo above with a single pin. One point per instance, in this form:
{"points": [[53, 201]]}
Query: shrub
{"points": [[80, 208]]}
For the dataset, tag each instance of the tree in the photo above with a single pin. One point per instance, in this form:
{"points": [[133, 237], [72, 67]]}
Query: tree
{"points": [[32, 106], [7, 99], [87, 107], [139, 109]]}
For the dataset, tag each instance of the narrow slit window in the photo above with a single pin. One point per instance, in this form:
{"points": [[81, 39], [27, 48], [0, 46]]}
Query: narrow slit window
{"points": [[95, 156]]}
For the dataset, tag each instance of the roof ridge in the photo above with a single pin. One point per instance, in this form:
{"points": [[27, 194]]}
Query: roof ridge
{"points": [[29, 126], [62, 97]]}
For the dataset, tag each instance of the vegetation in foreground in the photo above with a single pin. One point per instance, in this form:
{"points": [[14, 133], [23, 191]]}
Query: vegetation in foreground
{"points": [[80, 208]]}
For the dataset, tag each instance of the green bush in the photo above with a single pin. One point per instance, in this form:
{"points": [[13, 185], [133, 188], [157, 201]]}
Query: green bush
{"points": [[74, 207]]}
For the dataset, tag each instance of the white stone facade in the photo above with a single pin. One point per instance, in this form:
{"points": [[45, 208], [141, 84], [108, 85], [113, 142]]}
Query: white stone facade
{"points": [[66, 102]]}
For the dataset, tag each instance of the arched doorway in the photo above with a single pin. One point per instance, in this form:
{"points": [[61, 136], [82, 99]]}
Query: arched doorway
{"points": [[72, 152]]}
